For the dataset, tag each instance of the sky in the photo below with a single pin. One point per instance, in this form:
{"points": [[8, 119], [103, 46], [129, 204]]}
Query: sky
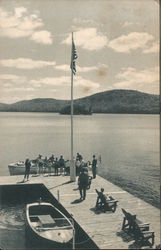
{"points": [[117, 43]]}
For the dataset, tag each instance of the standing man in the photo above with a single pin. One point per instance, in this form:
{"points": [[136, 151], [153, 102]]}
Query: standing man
{"points": [[61, 164], [40, 164], [27, 169], [83, 184], [56, 166], [94, 166]]}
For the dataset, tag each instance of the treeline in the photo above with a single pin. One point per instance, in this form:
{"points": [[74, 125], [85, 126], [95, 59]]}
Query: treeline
{"points": [[114, 101]]}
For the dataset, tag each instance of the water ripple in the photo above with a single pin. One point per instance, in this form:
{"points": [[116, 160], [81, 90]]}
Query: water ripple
{"points": [[12, 218]]}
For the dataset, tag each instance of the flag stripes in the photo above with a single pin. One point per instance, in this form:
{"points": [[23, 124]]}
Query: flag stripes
{"points": [[73, 58]]}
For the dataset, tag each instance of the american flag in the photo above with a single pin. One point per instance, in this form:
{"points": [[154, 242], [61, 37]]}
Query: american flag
{"points": [[73, 58]]}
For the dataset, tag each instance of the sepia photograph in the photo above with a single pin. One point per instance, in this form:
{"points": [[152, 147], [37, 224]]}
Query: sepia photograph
{"points": [[79, 124]]}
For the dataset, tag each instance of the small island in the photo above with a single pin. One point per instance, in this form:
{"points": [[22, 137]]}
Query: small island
{"points": [[77, 110]]}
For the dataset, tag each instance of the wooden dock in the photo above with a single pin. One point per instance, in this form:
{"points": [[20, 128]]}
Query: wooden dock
{"points": [[103, 228]]}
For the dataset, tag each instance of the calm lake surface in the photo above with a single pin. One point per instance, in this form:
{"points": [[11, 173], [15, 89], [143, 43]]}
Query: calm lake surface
{"points": [[128, 145]]}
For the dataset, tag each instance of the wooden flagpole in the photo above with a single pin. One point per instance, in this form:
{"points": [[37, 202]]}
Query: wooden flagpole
{"points": [[72, 167]]}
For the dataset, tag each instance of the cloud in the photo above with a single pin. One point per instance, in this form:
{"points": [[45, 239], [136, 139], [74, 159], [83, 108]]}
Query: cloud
{"points": [[25, 63], [19, 89], [154, 48], [10, 81], [126, 24], [80, 20], [51, 81], [63, 81], [15, 83], [132, 41], [19, 24], [42, 36], [88, 38], [9, 77], [82, 82], [147, 79], [28, 63], [19, 11], [66, 67], [86, 69], [129, 24], [63, 67], [45, 87]]}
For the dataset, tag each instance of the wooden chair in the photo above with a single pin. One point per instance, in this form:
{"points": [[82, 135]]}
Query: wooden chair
{"points": [[137, 228], [142, 235], [112, 205], [128, 221], [106, 205]]}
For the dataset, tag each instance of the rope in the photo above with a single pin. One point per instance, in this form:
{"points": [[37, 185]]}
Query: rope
{"points": [[89, 238]]}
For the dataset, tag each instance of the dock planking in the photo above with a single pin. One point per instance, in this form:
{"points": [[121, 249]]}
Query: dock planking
{"points": [[103, 228]]}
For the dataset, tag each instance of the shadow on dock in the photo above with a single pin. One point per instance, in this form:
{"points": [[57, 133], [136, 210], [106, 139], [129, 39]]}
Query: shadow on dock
{"points": [[99, 211], [126, 237], [77, 201], [65, 183]]}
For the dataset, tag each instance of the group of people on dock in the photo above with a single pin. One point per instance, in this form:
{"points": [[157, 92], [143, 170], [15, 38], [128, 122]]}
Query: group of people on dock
{"points": [[53, 165], [46, 165], [82, 171]]}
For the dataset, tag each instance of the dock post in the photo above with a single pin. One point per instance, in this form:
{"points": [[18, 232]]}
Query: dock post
{"points": [[58, 195]]}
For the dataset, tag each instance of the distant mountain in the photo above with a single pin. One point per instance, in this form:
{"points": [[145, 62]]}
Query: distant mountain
{"points": [[78, 109], [114, 101], [35, 105], [122, 101]]}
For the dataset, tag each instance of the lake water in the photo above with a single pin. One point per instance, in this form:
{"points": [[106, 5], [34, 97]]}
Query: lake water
{"points": [[128, 145], [12, 227]]}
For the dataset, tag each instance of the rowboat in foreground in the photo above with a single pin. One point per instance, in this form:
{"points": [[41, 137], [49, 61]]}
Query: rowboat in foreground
{"points": [[18, 168], [48, 227]]}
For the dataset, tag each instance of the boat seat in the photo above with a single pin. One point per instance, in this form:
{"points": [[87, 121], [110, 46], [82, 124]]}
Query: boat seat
{"points": [[47, 220]]}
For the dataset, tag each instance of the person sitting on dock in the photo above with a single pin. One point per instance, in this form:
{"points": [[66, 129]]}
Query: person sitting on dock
{"points": [[83, 183], [105, 202], [27, 169], [101, 199]]}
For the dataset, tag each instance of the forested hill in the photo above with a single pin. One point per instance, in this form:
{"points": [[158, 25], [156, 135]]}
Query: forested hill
{"points": [[114, 101]]}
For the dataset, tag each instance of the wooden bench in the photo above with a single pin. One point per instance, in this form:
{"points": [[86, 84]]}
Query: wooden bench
{"points": [[137, 228], [47, 220]]}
